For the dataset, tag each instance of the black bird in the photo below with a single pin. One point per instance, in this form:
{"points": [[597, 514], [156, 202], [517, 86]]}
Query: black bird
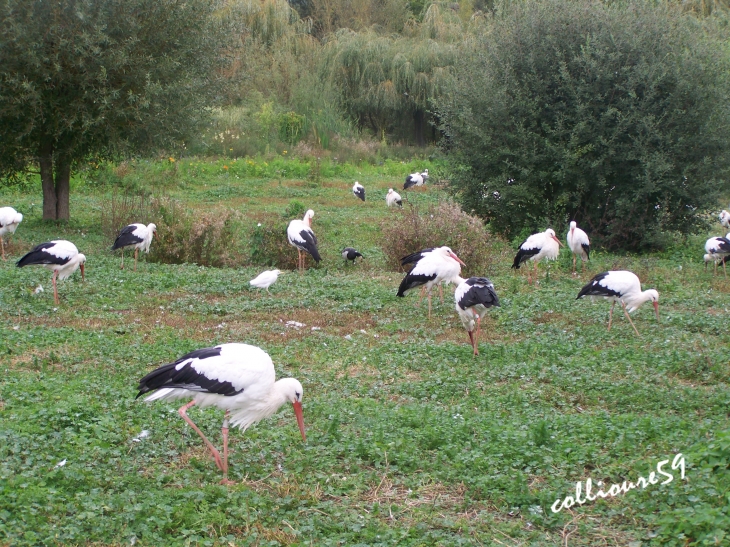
{"points": [[348, 253]]}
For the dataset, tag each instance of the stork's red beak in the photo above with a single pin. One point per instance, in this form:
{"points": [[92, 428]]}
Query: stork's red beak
{"points": [[656, 310], [82, 273], [457, 259], [300, 418], [559, 243]]}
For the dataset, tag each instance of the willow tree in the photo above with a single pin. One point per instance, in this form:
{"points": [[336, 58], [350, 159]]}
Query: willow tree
{"points": [[384, 80], [81, 78]]}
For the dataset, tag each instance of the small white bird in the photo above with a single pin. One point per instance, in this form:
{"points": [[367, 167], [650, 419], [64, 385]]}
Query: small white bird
{"points": [[621, 286], [393, 198], [60, 256], [717, 248], [300, 235], [265, 279], [474, 296], [724, 217], [579, 244], [135, 235], [237, 378], [358, 190], [536, 247], [9, 220]]}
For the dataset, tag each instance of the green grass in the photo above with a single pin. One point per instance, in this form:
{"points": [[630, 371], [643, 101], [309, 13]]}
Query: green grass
{"points": [[411, 440]]}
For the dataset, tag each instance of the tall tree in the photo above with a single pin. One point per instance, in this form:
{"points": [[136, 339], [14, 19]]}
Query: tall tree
{"points": [[99, 77]]}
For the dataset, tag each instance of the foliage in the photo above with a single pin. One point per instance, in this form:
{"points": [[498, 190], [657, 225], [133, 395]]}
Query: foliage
{"points": [[82, 78], [411, 229], [611, 114], [184, 236], [124, 208], [707, 520], [268, 243]]}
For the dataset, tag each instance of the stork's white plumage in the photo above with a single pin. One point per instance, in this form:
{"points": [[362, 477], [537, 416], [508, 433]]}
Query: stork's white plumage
{"points": [[237, 378], [438, 265], [718, 248], [135, 235], [9, 220], [621, 286], [536, 247], [473, 297], [265, 279], [358, 190], [60, 256], [393, 198], [302, 237], [415, 179], [724, 217], [578, 244]]}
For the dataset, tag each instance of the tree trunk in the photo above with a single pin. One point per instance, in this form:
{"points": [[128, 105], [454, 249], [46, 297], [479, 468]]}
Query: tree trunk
{"points": [[45, 159], [63, 179], [419, 122]]}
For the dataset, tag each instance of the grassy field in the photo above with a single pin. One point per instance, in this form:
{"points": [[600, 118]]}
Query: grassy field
{"points": [[411, 440]]}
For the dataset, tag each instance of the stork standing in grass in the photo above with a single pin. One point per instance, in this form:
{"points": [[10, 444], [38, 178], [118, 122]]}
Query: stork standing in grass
{"points": [[717, 249], [135, 235], [393, 198], [578, 244], [237, 378], [300, 235], [536, 247], [414, 258], [416, 179], [474, 296], [621, 286], [9, 220], [60, 256], [441, 264], [359, 191]]}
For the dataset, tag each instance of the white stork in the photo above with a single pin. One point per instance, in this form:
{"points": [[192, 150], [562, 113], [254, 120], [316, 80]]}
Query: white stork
{"points": [[358, 190], [135, 235], [536, 247], [265, 279], [578, 244], [9, 220], [415, 179], [302, 237], [717, 248], [413, 258], [440, 264], [60, 256], [474, 296], [393, 198], [237, 378], [724, 217], [621, 286], [348, 253]]}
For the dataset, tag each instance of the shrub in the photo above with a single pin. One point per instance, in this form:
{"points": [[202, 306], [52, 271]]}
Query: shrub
{"points": [[268, 242], [610, 113], [409, 230], [122, 208], [184, 236]]}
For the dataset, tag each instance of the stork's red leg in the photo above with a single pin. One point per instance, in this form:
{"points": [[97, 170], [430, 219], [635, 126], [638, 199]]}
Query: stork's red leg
{"points": [[441, 293], [429, 304], [476, 336], [216, 455], [135, 259], [610, 315], [471, 338], [423, 293], [122, 259], [574, 271], [55, 288], [629, 318], [225, 449]]}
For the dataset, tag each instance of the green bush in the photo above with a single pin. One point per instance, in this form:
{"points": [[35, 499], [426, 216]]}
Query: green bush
{"points": [[206, 239], [613, 114], [409, 230], [268, 243]]}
